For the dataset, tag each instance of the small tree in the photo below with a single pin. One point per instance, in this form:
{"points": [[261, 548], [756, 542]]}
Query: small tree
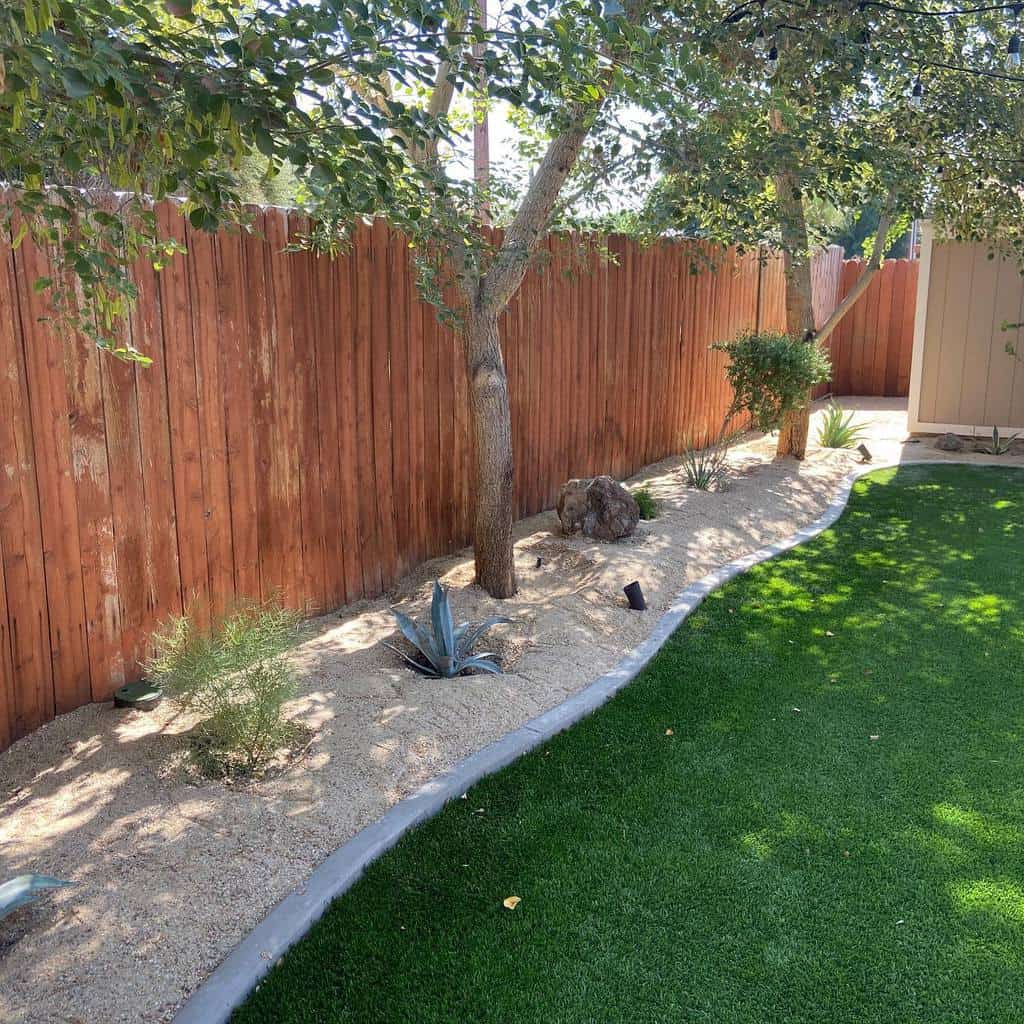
{"points": [[908, 108], [569, 64]]}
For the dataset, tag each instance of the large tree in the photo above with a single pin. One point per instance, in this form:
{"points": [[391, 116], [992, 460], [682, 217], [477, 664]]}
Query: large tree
{"points": [[914, 109], [568, 69]]}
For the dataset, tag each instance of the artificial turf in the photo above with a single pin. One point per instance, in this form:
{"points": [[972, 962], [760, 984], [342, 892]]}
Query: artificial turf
{"points": [[809, 808]]}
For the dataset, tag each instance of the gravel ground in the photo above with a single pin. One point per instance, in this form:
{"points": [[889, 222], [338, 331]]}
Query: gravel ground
{"points": [[173, 873]]}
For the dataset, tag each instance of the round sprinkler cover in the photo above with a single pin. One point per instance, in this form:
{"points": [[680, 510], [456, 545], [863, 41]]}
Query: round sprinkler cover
{"points": [[142, 696]]}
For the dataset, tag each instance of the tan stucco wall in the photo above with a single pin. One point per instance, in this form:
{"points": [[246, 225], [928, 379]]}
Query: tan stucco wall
{"points": [[962, 377]]}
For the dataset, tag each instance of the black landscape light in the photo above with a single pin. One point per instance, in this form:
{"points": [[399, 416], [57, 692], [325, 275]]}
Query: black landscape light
{"points": [[635, 596]]}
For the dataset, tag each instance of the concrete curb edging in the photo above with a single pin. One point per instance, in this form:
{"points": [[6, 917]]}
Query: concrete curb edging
{"points": [[241, 971]]}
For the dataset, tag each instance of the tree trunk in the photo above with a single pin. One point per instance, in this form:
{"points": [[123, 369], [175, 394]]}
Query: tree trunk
{"points": [[799, 295], [488, 385], [491, 424], [796, 424], [487, 294]]}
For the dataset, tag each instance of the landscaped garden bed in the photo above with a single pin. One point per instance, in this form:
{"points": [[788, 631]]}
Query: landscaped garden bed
{"points": [[808, 807], [173, 870]]}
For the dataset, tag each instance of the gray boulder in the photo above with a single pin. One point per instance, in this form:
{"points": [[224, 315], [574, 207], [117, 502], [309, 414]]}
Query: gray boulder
{"points": [[599, 507], [949, 443]]}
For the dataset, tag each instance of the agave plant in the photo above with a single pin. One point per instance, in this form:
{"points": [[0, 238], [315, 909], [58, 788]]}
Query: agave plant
{"points": [[999, 445], [444, 649], [24, 889], [839, 430]]}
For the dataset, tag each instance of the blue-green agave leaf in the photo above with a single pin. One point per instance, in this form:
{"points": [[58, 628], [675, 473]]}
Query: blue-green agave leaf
{"points": [[444, 627], [26, 888], [471, 637], [425, 667], [417, 636], [483, 663]]}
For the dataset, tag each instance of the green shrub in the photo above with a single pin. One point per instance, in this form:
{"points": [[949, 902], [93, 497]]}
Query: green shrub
{"points": [[706, 467], [771, 374], [839, 430], [235, 677], [646, 502]]}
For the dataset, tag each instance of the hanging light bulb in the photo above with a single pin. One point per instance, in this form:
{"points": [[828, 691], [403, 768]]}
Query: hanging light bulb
{"points": [[760, 43], [1013, 53], [917, 95], [773, 62]]}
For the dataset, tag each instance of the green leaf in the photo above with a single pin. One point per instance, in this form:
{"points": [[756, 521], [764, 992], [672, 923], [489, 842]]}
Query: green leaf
{"points": [[76, 84], [264, 140]]}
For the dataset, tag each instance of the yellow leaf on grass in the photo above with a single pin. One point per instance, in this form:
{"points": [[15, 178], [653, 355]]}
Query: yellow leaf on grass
{"points": [[511, 902]]}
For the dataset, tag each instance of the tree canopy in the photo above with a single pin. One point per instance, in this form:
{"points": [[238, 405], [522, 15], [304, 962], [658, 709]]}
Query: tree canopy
{"points": [[908, 108], [108, 106]]}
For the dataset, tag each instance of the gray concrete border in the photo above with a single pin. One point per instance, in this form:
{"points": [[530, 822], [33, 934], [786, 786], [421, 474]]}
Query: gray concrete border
{"points": [[242, 970]]}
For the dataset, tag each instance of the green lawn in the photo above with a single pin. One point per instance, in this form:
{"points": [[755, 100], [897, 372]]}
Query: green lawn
{"points": [[833, 831]]}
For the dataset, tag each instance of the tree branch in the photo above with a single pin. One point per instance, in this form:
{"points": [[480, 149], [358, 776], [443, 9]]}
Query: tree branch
{"points": [[531, 219], [872, 268]]}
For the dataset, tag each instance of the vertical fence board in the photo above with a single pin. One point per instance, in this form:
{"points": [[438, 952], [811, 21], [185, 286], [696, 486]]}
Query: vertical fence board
{"points": [[325, 345], [210, 386], [305, 326], [370, 511], [342, 288], [58, 505], [7, 680], [25, 628], [183, 420], [120, 427], [239, 413], [160, 536], [288, 403]]}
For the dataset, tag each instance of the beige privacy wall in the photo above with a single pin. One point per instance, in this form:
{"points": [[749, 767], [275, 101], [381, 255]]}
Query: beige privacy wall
{"points": [[962, 378]]}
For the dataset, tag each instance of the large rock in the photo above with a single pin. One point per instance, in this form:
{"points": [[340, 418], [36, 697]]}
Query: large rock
{"points": [[600, 507], [949, 443]]}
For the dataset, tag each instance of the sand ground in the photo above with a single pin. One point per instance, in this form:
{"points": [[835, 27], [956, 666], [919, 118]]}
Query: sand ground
{"points": [[172, 873]]}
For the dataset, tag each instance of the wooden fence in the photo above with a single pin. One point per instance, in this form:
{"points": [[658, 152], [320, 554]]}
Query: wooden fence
{"points": [[303, 430], [872, 345]]}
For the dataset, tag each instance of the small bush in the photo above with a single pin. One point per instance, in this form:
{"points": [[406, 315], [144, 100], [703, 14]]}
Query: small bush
{"points": [[706, 467], [839, 430], [646, 502], [235, 676], [771, 374]]}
